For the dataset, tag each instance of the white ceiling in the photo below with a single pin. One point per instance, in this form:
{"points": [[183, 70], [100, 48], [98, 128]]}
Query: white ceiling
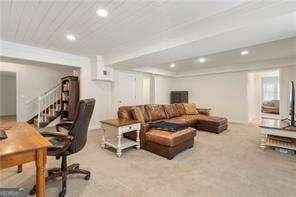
{"points": [[279, 49], [147, 33]]}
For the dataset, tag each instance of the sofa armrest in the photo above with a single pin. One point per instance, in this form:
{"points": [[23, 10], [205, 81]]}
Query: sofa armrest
{"points": [[204, 111]]}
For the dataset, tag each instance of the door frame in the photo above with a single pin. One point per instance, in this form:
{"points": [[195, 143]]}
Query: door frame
{"points": [[17, 82]]}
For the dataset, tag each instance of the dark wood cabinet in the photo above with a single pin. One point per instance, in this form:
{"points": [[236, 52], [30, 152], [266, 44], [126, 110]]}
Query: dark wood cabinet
{"points": [[179, 97], [69, 97]]}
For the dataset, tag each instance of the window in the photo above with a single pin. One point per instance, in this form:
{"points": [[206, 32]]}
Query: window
{"points": [[270, 88]]}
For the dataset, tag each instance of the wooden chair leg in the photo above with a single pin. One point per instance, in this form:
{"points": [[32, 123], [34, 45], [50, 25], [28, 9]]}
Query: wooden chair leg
{"points": [[19, 168]]}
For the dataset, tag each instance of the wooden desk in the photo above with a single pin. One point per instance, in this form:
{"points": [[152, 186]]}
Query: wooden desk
{"points": [[25, 144]]}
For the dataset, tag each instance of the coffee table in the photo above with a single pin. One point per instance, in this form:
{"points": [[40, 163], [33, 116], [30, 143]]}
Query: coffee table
{"points": [[273, 128]]}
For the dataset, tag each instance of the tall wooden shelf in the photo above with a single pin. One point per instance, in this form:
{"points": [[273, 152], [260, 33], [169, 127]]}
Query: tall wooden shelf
{"points": [[69, 97]]}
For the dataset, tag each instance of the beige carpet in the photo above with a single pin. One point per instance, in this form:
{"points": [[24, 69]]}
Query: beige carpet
{"points": [[7, 119], [229, 164]]}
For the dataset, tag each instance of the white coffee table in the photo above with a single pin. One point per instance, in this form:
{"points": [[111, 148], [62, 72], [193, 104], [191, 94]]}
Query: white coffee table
{"points": [[274, 127], [120, 127]]}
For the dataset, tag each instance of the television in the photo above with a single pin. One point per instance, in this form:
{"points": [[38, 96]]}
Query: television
{"points": [[292, 106]]}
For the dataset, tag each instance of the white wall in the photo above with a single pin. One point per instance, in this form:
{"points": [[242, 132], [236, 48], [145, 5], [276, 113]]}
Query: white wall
{"points": [[287, 75], [158, 89], [99, 90], [31, 82], [225, 94], [146, 90], [162, 88], [7, 94], [253, 99]]}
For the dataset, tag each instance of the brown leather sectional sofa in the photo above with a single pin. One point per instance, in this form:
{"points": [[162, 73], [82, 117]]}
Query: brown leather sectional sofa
{"points": [[165, 143]]}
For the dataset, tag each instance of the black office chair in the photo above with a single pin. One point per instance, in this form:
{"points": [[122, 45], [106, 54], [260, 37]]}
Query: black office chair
{"points": [[70, 143]]}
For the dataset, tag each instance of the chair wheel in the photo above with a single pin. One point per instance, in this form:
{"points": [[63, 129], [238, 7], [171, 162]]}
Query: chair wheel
{"points": [[87, 177], [62, 193], [32, 191]]}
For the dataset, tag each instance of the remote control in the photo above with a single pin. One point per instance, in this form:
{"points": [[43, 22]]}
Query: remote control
{"points": [[3, 134]]}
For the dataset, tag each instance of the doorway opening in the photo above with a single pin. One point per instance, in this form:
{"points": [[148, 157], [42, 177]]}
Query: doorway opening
{"points": [[263, 95], [8, 103]]}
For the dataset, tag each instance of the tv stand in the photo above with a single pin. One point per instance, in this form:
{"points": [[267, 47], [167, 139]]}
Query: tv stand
{"points": [[277, 133]]}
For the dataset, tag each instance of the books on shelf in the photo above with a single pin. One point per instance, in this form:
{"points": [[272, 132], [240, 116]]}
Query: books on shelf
{"points": [[65, 96], [65, 86], [65, 107]]}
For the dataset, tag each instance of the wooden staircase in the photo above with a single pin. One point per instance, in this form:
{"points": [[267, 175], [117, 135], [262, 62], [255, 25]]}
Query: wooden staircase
{"points": [[45, 108], [50, 114]]}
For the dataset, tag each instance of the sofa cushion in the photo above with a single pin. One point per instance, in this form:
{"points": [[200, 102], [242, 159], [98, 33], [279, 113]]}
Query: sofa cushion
{"points": [[177, 120], [190, 108], [125, 112], [155, 112], [190, 120], [167, 138], [138, 115], [171, 111], [180, 108]]}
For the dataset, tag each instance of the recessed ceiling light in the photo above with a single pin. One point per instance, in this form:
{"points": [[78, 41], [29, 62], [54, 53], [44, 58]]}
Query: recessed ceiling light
{"points": [[245, 52], [71, 37], [102, 12], [201, 60], [172, 65]]}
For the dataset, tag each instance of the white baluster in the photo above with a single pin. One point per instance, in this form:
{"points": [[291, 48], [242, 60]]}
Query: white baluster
{"points": [[55, 101], [50, 103], [39, 112], [43, 106], [46, 106]]}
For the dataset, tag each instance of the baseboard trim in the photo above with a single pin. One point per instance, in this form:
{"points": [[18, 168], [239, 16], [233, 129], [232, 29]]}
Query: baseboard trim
{"points": [[239, 122]]}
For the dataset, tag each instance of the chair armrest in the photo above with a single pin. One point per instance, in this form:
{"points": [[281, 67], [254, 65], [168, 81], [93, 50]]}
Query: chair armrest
{"points": [[57, 151], [204, 111], [65, 125], [56, 134]]}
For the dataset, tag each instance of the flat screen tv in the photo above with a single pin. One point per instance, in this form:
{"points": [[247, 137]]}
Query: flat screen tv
{"points": [[292, 107]]}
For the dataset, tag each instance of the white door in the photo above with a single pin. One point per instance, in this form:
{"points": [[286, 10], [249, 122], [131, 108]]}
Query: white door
{"points": [[126, 89], [146, 90]]}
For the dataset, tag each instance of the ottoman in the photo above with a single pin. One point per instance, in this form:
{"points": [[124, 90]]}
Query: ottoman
{"points": [[211, 123], [168, 144]]}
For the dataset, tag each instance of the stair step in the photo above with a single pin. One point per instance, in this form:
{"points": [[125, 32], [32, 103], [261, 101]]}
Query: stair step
{"points": [[47, 119]]}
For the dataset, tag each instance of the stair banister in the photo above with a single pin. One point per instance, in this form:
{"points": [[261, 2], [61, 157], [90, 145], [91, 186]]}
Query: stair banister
{"points": [[41, 106], [39, 111]]}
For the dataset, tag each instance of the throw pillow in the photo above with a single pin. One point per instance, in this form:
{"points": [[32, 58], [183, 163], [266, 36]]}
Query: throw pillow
{"points": [[180, 108], [155, 112], [171, 111], [190, 108], [138, 115]]}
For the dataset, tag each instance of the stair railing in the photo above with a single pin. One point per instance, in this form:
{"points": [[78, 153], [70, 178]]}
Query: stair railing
{"points": [[46, 104]]}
